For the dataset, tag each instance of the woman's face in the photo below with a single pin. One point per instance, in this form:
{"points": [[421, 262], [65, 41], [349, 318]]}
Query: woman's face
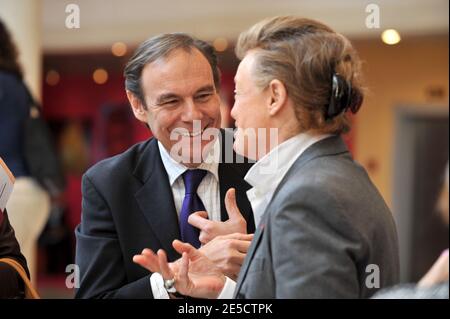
{"points": [[250, 111]]}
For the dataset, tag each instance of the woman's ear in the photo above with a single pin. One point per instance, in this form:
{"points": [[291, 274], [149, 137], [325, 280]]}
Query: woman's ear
{"points": [[138, 108], [278, 96]]}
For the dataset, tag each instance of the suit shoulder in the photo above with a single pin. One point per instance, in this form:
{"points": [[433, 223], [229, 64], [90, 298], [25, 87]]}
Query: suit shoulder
{"points": [[323, 183], [116, 166], [339, 192], [327, 174]]}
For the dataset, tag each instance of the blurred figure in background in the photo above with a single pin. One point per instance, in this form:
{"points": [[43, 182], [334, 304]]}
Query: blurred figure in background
{"points": [[11, 285], [29, 204], [435, 284]]}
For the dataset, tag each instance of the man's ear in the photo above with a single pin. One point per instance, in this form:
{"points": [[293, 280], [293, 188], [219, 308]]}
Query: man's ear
{"points": [[278, 96], [138, 108]]}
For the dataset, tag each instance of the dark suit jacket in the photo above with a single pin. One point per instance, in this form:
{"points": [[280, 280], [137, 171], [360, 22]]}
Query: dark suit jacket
{"points": [[128, 206], [11, 285], [327, 233]]}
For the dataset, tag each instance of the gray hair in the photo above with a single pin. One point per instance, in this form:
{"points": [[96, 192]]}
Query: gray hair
{"points": [[161, 46]]}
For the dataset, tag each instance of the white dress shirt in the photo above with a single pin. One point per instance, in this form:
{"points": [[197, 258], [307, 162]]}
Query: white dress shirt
{"points": [[208, 191], [266, 175]]}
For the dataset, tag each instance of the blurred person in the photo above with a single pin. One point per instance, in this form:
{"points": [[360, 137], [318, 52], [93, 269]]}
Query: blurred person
{"points": [[29, 204], [11, 285], [323, 222], [144, 196], [435, 283]]}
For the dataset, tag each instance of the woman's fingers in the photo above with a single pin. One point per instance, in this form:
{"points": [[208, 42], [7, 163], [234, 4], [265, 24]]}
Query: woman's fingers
{"points": [[182, 281], [148, 260], [164, 267], [181, 248], [151, 258]]}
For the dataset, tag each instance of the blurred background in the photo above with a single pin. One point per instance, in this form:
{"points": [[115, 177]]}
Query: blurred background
{"points": [[400, 135]]}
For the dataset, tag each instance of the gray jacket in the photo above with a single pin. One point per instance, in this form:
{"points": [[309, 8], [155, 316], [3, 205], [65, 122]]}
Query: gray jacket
{"points": [[327, 233]]}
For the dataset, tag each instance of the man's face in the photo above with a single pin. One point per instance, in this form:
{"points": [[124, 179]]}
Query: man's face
{"points": [[250, 112], [179, 93]]}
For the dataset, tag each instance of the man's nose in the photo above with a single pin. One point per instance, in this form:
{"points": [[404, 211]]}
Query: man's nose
{"points": [[191, 112]]}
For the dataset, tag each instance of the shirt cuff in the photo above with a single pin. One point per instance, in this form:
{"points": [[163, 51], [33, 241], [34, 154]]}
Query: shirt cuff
{"points": [[157, 284], [228, 289]]}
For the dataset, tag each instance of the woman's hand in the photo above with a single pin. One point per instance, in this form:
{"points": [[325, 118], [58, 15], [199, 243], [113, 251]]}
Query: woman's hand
{"points": [[228, 252], [195, 275], [210, 229]]}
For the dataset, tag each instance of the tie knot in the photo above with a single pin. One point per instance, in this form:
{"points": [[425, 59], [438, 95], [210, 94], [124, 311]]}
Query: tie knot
{"points": [[192, 179]]}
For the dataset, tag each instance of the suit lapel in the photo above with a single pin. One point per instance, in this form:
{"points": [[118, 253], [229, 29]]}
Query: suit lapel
{"points": [[231, 175], [155, 198], [251, 252], [229, 178]]}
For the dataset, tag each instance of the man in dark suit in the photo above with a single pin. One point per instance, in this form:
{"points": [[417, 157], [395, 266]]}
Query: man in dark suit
{"points": [[11, 286], [143, 198]]}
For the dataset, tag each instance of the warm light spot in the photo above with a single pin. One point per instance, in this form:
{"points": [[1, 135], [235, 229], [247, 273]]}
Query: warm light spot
{"points": [[52, 78], [390, 37], [100, 76], [220, 44], [119, 49]]}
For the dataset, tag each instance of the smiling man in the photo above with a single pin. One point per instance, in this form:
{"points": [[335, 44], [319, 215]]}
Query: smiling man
{"points": [[144, 197]]}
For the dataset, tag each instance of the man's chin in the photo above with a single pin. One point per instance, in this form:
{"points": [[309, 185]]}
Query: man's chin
{"points": [[190, 155]]}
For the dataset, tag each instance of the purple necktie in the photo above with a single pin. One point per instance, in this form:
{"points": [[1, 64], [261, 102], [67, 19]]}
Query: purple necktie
{"points": [[191, 204]]}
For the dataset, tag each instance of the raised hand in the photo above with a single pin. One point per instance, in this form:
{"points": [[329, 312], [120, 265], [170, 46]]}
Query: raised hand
{"points": [[195, 275], [228, 252], [150, 261], [211, 229]]}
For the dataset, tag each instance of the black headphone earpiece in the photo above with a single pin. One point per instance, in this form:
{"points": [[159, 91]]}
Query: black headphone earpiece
{"points": [[341, 91]]}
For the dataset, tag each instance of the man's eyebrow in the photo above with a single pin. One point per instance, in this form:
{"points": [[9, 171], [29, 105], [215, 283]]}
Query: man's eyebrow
{"points": [[206, 88]]}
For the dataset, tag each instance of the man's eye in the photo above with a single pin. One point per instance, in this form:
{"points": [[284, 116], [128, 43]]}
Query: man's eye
{"points": [[169, 103], [203, 97]]}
